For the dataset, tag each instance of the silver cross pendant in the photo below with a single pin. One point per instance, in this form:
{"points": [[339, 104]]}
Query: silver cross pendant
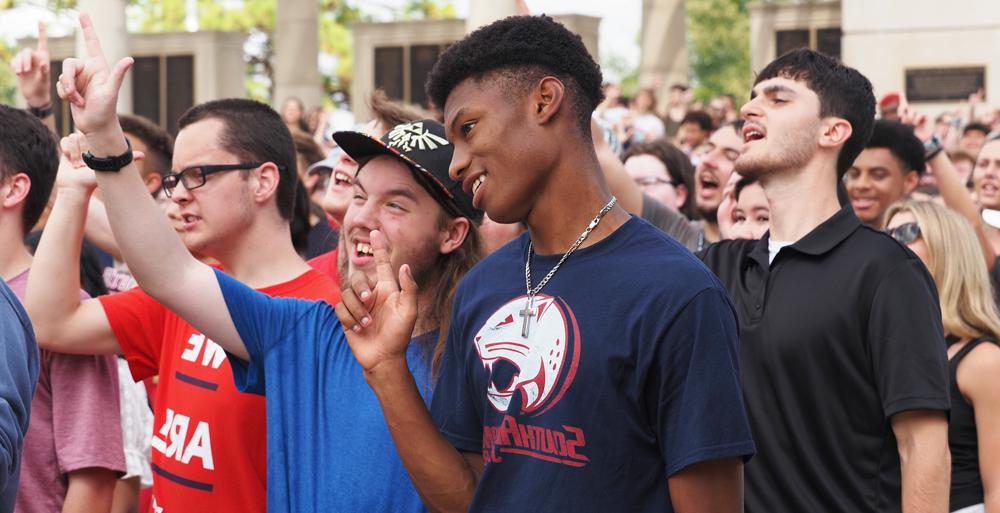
{"points": [[527, 313]]}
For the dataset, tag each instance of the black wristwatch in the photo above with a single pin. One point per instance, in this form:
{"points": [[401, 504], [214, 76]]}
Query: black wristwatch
{"points": [[109, 164], [41, 112], [932, 146]]}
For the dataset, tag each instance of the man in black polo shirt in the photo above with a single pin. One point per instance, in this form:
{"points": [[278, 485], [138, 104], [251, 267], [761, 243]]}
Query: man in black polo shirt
{"points": [[842, 349]]}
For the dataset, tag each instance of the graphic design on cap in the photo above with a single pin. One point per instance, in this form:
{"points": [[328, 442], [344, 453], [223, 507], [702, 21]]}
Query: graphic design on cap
{"points": [[544, 364], [413, 135]]}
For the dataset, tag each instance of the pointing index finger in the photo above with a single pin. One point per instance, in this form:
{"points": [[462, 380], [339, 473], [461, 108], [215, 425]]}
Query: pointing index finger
{"points": [[43, 39], [383, 265], [90, 37]]}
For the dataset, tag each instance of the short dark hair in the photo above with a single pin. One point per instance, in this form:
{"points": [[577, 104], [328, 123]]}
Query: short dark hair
{"points": [[977, 127], [522, 50], [900, 140], [27, 146], [699, 117], [253, 132], [159, 143], [843, 92], [299, 223], [736, 125], [307, 147], [678, 164], [741, 184]]}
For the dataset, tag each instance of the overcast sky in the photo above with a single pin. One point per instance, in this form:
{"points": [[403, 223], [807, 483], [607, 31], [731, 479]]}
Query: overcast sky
{"points": [[620, 20]]}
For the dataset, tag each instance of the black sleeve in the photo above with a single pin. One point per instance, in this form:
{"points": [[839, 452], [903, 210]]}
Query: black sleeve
{"points": [[909, 356]]}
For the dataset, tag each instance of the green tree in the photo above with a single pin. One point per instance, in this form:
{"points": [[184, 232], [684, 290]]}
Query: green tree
{"points": [[8, 81], [427, 10], [718, 34]]}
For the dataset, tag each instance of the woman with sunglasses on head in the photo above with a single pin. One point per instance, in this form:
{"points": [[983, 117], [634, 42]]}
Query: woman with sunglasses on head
{"points": [[949, 248]]}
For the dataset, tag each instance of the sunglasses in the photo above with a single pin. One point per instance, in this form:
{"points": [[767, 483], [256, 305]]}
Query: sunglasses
{"points": [[905, 233]]}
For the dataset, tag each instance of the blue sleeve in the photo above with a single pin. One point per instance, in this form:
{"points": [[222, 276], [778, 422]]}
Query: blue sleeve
{"points": [[263, 322], [453, 408], [18, 377], [694, 391]]}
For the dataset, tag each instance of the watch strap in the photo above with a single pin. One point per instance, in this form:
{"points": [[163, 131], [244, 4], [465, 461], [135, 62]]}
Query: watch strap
{"points": [[932, 146], [109, 164], [41, 112]]}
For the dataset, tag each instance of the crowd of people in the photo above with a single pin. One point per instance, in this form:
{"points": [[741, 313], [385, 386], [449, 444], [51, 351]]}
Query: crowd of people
{"points": [[785, 305]]}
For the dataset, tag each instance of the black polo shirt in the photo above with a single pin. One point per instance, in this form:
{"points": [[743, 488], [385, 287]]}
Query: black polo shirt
{"points": [[840, 333]]}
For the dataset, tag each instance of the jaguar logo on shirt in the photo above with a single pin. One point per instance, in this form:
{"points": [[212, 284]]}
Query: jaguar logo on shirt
{"points": [[537, 369], [545, 361]]}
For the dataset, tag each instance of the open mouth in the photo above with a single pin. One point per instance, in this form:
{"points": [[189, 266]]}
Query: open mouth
{"points": [[363, 249], [863, 203], [341, 179], [478, 183], [708, 183], [752, 133]]}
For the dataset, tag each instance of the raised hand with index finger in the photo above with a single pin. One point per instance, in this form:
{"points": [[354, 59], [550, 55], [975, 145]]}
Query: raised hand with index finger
{"points": [[91, 86], [379, 321], [32, 70]]}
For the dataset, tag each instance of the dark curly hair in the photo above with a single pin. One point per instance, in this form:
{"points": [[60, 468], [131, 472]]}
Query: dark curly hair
{"points": [[521, 50], [843, 92], [900, 140]]}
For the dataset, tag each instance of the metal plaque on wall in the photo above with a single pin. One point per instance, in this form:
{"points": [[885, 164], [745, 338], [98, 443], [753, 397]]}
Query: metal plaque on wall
{"points": [[943, 84]]}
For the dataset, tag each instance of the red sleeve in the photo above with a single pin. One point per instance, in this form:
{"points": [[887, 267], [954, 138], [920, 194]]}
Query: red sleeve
{"points": [[86, 424], [327, 264], [138, 322]]}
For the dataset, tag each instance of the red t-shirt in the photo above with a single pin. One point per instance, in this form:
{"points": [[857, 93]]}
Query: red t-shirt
{"points": [[327, 263], [209, 440]]}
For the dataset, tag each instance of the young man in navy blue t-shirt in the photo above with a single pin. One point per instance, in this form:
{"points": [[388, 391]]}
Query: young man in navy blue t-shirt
{"points": [[591, 364]]}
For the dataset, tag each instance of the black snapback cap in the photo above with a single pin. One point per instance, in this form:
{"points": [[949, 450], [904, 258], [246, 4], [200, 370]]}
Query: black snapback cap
{"points": [[422, 146]]}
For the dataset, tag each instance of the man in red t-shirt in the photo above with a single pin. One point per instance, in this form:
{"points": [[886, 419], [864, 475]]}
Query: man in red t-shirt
{"points": [[233, 187]]}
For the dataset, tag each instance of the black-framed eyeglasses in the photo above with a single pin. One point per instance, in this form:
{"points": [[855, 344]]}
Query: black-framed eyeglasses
{"points": [[195, 176], [652, 180], [905, 233]]}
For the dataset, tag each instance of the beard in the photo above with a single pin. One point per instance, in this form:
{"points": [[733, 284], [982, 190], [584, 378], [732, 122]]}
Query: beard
{"points": [[788, 153], [710, 215], [424, 266]]}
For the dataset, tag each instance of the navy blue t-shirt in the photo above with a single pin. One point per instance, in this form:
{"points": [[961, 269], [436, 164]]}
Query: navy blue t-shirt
{"points": [[18, 377], [628, 375], [328, 447]]}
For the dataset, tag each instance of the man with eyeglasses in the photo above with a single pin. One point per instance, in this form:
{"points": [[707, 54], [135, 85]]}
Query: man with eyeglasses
{"points": [[233, 187], [662, 171]]}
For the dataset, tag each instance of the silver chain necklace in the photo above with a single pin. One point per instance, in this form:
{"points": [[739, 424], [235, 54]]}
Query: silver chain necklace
{"points": [[529, 307]]}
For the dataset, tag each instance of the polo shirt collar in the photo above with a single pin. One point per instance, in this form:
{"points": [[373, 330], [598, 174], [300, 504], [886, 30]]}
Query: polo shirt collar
{"points": [[822, 239]]}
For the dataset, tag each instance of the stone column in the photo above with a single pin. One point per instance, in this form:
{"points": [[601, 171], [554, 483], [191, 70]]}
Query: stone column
{"points": [[664, 47], [483, 12], [109, 23], [296, 53]]}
